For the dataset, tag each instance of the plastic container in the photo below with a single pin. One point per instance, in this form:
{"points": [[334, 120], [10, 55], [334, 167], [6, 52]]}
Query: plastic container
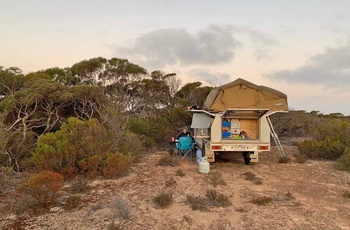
{"points": [[198, 156], [204, 166]]}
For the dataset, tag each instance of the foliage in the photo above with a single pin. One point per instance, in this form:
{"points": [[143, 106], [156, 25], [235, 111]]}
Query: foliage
{"points": [[330, 140], [167, 161], [343, 163], [325, 149], [180, 173], [72, 202], [123, 209], [252, 177], [79, 185], [163, 199], [216, 179], [283, 159], [294, 123], [261, 200], [212, 199], [43, 187], [80, 146], [16, 148]]}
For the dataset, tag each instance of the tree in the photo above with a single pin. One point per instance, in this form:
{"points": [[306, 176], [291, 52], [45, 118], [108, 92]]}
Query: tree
{"points": [[11, 80]]}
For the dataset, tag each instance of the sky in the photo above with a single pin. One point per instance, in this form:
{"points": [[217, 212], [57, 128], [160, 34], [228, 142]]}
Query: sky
{"points": [[299, 47]]}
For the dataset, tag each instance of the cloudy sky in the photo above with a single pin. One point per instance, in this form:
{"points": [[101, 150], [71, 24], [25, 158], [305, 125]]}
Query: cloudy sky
{"points": [[300, 47]]}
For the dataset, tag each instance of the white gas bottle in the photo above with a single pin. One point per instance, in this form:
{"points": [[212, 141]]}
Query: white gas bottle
{"points": [[204, 166]]}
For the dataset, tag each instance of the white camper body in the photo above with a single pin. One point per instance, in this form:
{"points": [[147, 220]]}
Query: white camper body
{"points": [[232, 108], [218, 133]]}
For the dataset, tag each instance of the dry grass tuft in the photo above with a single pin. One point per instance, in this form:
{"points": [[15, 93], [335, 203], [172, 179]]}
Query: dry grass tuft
{"points": [[216, 179], [180, 173], [212, 199], [284, 160], [164, 199], [72, 202], [171, 182], [79, 185], [167, 161], [123, 209], [252, 177], [261, 200], [346, 194]]}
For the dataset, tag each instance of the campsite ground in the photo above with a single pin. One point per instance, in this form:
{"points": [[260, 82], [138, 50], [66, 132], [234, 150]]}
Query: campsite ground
{"points": [[275, 196]]}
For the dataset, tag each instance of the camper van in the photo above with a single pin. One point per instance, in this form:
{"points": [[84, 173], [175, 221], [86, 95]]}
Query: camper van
{"points": [[235, 120]]}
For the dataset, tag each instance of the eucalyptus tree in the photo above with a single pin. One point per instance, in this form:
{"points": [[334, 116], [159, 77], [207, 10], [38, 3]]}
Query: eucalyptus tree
{"points": [[11, 80]]}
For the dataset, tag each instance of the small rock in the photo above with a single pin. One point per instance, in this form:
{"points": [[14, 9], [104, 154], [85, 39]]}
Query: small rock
{"points": [[55, 209]]}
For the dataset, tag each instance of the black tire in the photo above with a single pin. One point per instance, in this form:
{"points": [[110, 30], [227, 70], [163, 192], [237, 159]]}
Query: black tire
{"points": [[246, 157]]}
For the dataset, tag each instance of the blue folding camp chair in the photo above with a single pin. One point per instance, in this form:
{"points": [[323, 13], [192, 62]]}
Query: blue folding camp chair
{"points": [[185, 148]]}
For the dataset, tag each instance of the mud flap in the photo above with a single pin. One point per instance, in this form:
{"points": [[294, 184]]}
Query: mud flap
{"points": [[254, 157]]}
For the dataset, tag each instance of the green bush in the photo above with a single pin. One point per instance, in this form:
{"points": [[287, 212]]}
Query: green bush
{"points": [[81, 147], [43, 187], [325, 149], [343, 163], [330, 138]]}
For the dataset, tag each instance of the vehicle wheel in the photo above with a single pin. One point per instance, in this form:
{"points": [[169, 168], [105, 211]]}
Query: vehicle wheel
{"points": [[246, 157]]}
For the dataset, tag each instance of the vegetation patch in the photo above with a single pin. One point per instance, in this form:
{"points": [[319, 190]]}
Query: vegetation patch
{"points": [[123, 209], [79, 185], [343, 163], [170, 182], [346, 194], [163, 199], [167, 161], [42, 187], [300, 158], [215, 179], [212, 199], [72, 202], [261, 200], [283, 159], [180, 173], [252, 177]]}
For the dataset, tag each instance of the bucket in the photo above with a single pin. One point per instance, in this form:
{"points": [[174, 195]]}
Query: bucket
{"points": [[204, 166]]}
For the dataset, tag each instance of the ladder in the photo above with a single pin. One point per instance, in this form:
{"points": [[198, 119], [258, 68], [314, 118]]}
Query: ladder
{"points": [[275, 137]]}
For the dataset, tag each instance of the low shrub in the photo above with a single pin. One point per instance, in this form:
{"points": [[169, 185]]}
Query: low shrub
{"points": [[170, 182], [325, 149], [300, 158], [72, 202], [346, 194], [180, 173], [283, 159], [167, 161], [343, 163], [212, 199], [117, 165], [43, 187], [163, 199], [252, 177], [261, 200], [216, 179], [79, 185], [123, 209]]}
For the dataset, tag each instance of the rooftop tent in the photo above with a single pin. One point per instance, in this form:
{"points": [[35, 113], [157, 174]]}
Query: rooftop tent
{"points": [[244, 94]]}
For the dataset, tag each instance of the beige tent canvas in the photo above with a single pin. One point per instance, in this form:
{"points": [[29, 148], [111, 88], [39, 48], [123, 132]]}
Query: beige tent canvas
{"points": [[244, 94]]}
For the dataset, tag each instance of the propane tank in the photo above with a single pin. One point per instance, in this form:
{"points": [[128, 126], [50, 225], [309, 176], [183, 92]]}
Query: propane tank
{"points": [[204, 166]]}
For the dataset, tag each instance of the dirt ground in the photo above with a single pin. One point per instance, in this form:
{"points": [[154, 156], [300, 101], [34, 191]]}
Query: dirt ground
{"points": [[301, 196]]}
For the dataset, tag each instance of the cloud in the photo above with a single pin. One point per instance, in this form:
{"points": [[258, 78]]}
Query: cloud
{"points": [[330, 68], [212, 45], [214, 78]]}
